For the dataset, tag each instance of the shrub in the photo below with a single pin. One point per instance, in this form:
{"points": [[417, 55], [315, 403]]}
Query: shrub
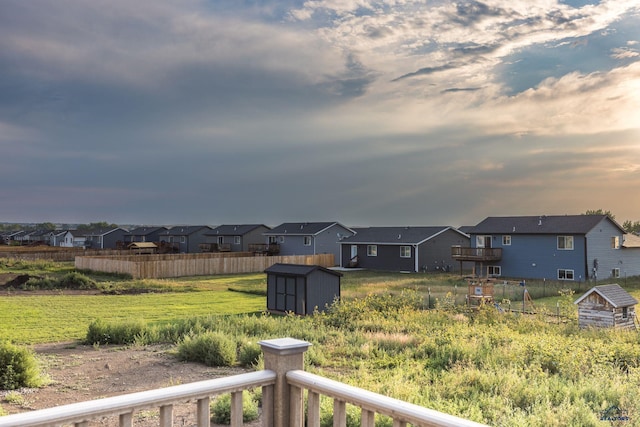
{"points": [[18, 368], [128, 332], [221, 408], [249, 354], [210, 348]]}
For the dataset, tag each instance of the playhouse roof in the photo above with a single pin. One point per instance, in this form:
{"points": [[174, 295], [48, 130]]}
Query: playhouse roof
{"points": [[614, 294]]}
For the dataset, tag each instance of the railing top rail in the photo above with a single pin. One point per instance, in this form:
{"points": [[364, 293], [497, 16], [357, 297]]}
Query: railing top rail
{"points": [[83, 411], [397, 409]]}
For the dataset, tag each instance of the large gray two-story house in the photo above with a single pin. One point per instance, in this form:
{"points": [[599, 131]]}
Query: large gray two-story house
{"points": [[561, 247]]}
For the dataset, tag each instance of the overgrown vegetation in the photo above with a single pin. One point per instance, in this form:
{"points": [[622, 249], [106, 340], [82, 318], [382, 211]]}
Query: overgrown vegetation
{"points": [[18, 368], [492, 367]]}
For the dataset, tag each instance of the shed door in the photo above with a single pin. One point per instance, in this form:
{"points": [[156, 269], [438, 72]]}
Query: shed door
{"points": [[286, 294]]}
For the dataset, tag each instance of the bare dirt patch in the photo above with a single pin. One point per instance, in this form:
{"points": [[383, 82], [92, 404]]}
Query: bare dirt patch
{"points": [[80, 373]]}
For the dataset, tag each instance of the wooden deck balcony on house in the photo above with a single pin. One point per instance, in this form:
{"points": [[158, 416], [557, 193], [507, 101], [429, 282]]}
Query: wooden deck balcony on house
{"points": [[264, 248], [460, 253], [283, 383]]}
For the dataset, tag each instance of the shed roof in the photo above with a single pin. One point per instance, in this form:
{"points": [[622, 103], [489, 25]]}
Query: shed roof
{"points": [[614, 294], [543, 224], [298, 269], [142, 245], [396, 235]]}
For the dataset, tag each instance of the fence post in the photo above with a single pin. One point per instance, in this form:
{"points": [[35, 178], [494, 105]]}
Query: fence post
{"points": [[280, 356]]}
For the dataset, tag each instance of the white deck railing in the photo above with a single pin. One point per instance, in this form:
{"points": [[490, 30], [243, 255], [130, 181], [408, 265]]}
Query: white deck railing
{"points": [[283, 383]]}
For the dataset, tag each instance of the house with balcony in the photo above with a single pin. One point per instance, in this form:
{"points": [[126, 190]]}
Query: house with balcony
{"points": [[237, 238], [560, 247], [308, 238], [144, 234], [184, 238], [411, 249]]}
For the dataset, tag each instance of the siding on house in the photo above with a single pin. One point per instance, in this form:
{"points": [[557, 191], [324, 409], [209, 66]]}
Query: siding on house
{"points": [[404, 248], [530, 247], [238, 236]]}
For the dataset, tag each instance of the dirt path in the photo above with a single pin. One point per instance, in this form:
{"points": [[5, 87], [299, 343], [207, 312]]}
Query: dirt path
{"points": [[80, 373]]}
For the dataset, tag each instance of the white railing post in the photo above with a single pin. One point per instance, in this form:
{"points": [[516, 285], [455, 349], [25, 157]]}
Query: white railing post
{"points": [[280, 356]]}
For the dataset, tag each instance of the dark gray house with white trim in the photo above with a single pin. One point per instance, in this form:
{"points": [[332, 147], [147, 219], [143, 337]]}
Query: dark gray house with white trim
{"points": [[413, 249], [144, 234], [309, 238], [185, 238], [562, 247], [236, 237]]}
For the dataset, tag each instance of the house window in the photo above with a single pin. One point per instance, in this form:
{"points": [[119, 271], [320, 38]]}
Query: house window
{"points": [[281, 239], [220, 240], [565, 274], [183, 239], [565, 243], [483, 241], [372, 250], [615, 242], [494, 270], [506, 240], [307, 240], [236, 240], [273, 240], [405, 251], [615, 273]]}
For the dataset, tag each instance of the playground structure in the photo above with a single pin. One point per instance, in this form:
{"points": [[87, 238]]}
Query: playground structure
{"points": [[480, 291]]}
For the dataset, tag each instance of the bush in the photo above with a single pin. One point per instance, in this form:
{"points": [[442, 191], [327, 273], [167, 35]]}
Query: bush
{"points": [[210, 348], [221, 409], [249, 354], [128, 332], [18, 368]]}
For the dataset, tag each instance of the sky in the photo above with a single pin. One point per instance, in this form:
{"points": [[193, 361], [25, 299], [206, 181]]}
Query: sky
{"points": [[365, 112]]}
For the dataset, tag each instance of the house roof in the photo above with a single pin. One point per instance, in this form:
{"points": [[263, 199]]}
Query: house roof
{"points": [[145, 231], [183, 230], [396, 235], [302, 228], [554, 224], [99, 231], [631, 241], [234, 229], [298, 269], [614, 294]]}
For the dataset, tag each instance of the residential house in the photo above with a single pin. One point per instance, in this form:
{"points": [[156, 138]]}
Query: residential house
{"points": [[185, 238], [235, 237], [73, 239], [309, 238], [411, 249], [606, 306], [12, 237], [144, 234], [104, 238], [563, 247], [57, 237]]}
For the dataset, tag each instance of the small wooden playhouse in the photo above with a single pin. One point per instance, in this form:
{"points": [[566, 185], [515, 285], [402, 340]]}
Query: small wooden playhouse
{"points": [[606, 306]]}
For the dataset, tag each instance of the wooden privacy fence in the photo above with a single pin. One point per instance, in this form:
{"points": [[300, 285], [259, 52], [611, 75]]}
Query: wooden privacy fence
{"points": [[57, 254], [177, 265]]}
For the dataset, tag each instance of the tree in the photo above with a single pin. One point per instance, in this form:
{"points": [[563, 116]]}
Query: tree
{"points": [[600, 212], [631, 227]]}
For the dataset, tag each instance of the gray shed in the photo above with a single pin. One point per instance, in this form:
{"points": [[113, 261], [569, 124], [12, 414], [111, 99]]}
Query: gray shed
{"points": [[301, 289], [606, 306]]}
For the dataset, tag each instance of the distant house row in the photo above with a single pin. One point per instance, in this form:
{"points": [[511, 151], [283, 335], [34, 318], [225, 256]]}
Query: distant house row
{"points": [[568, 247]]}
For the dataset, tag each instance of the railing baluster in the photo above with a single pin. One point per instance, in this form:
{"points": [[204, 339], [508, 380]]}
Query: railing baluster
{"points": [[313, 409], [367, 418], [126, 420], [204, 413], [166, 416], [398, 423], [236, 409], [267, 406], [296, 413], [339, 413]]}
